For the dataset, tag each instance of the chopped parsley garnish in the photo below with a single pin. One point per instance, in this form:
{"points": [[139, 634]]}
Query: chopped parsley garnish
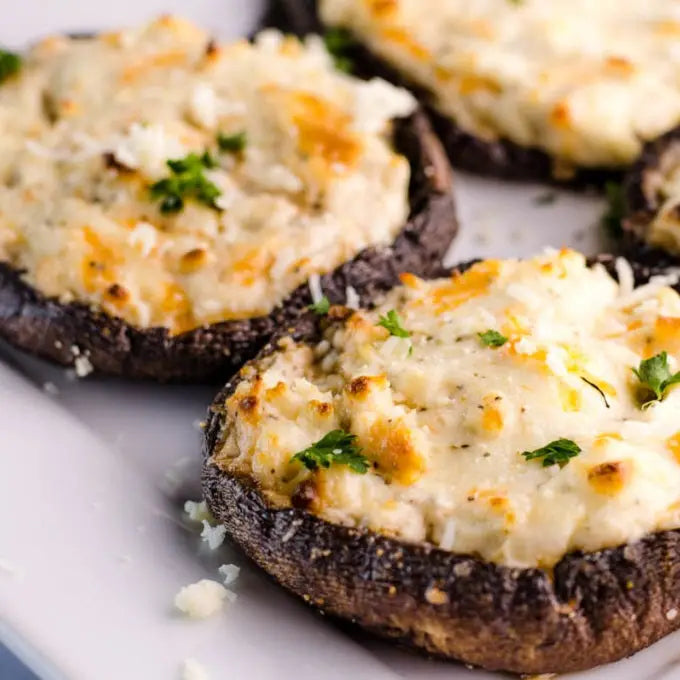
{"points": [[10, 64], [655, 375], [232, 143], [339, 42], [616, 209], [336, 448], [492, 338], [392, 323], [186, 181], [558, 452], [321, 307]]}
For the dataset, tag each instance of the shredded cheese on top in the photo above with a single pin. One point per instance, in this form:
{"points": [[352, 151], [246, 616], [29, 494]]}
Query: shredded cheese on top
{"points": [[88, 125], [571, 77], [443, 418], [201, 599]]}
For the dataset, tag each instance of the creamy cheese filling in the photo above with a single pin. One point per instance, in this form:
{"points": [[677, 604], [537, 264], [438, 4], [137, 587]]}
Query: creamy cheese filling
{"points": [[443, 417], [306, 177], [572, 77]]}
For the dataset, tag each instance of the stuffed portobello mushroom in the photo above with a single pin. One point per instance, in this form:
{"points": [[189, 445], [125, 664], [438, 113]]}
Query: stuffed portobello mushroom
{"points": [[521, 89], [164, 198], [648, 206], [485, 466]]}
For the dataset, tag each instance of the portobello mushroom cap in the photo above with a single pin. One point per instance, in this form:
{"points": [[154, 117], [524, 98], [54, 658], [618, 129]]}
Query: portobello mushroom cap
{"points": [[63, 331], [643, 199], [500, 158], [589, 609]]}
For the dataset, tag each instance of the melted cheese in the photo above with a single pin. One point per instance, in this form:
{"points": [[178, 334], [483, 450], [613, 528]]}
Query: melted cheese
{"points": [[88, 125], [571, 77], [444, 419]]}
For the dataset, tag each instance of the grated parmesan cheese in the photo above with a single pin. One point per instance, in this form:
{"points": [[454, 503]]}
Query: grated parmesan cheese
{"points": [[147, 148], [198, 511], [352, 298], [229, 572], [625, 275], [315, 288], [213, 536], [82, 365], [201, 599], [143, 236], [204, 105], [193, 670], [376, 103], [448, 537]]}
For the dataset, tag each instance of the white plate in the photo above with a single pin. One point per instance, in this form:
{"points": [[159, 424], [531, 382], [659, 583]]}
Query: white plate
{"points": [[92, 542]]}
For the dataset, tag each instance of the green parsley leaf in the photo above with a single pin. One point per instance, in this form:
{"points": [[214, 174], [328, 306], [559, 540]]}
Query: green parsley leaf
{"points": [[336, 448], [171, 203], [344, 64], [492, 338], [186, 181], [232, 143], [556, 453], [193, 163], [321, 307], [392, 323], [655, 375], [10, 64], [339, 42], [616, 209]]}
